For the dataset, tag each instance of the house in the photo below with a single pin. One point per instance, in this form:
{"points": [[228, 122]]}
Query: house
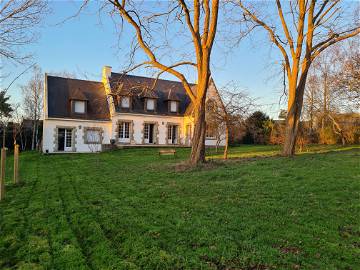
{"points": [[123, 110]]}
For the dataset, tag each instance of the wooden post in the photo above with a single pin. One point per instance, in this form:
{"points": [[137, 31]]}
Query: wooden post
{"points": [[16, 163], [2, 176]]}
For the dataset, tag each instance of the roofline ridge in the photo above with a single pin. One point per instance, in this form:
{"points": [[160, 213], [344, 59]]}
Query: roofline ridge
{"points": [[61, 77], [125, 74]]}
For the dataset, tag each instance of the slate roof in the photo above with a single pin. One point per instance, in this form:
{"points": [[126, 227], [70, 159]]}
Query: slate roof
{"points": [[62, 90], [139, 88]]}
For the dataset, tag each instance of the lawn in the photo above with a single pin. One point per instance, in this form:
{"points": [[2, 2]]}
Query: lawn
{"points": [[131, 209]]}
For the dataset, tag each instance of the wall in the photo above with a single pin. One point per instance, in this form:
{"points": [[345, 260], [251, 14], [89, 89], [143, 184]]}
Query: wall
{"points": [[161, 121], [110, 131], [138, 121], [49, 134]]}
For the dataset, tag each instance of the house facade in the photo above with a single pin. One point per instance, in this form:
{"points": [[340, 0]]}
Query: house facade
{"points": [[121, 110]]}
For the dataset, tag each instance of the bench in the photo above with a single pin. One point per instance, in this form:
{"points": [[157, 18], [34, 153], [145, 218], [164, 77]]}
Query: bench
{"points": [[167, 152]]}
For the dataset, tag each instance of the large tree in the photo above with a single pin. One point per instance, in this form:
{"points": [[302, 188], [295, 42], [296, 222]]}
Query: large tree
{"points": [[195, 27], [302, 30]]}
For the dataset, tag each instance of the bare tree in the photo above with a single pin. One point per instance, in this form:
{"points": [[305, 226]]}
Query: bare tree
{"points": [[347, 80], [308, 28], [18, 19], [225, 113], [18, 128], [33, 102], [195, 26], [330, 90]]}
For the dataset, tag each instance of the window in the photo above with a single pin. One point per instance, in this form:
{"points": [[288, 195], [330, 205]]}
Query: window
{"points": [[65, 139], [93, 136], [172, 135], [150, 104], [125, 102], [79, 106], [146, 131], [68, 137], [173, 106], [124, 130]]}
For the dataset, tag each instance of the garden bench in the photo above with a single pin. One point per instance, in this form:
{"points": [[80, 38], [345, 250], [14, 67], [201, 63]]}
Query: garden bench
{"points": [[167, 152]]}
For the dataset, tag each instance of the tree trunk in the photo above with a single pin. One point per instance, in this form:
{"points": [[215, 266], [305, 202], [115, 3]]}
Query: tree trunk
{"points": [[295, 103], [4, 136], [226, 141], [198, 142], [33, 135], [36, 134]]}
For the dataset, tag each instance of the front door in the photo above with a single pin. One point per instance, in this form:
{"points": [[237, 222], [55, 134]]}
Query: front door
{"points": [[65, 139], [172, 134], [149, 133]]}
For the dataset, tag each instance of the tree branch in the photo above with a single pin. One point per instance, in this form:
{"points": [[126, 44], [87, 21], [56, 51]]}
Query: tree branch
{"points": [[285, 27], [148, 51], [273, 37]]}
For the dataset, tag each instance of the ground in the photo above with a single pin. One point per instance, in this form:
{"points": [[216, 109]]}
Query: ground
{"points": [[131, 209]]}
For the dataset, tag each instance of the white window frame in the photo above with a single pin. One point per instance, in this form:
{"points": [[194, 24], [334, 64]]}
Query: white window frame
{"points": [[150, 101], [171, 135], [174, 106], [68, 143], [125, 102], [124, 131], [90, 140], [79, 106]]}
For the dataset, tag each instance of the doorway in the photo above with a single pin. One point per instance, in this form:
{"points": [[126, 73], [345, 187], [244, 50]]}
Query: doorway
{"points": [[172, 134], [149, 133], [65, 141]]}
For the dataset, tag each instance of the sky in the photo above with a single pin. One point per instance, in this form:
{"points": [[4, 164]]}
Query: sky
{"points": [[82, 46]]}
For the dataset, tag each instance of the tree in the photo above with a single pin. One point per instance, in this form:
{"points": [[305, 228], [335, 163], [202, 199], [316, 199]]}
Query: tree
{"points": [[228, 112], [258, 126], [308, 28], [348, 78], [5, 113], [18, 129], [196, 26], [33, 102], [330, 93], [18, 19]]}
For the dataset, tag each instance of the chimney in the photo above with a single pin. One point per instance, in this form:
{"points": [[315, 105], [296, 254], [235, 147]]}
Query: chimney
{"points": [[106, 72]]}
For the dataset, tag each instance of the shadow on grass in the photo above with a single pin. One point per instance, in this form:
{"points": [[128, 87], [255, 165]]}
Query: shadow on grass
{"points": [[273, 151], [235, 156]]}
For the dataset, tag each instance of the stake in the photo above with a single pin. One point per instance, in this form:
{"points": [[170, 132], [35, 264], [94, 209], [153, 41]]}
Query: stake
{"points": [[2, 176], [16, 163]]}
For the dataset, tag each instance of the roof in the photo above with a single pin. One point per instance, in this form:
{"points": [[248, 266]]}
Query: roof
{"points": [[139, 87], [62, 90]]}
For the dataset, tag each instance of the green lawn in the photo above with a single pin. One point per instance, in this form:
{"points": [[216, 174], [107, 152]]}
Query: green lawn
{"points": [[131, 209]]}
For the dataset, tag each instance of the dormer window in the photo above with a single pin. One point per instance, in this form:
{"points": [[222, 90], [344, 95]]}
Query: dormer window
{"points": [[125, 102], [150, 104], [174, 106], [79, 106]]}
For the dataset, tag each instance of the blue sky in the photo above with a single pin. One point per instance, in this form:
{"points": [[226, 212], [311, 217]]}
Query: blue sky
{"points": [[83, 46]]}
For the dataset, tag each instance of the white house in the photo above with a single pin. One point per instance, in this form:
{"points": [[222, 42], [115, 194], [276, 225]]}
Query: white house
{"points": [[127, 110]]}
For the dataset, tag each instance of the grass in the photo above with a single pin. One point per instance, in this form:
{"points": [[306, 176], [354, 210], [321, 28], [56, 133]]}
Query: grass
{"points": [[129, 209]]}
